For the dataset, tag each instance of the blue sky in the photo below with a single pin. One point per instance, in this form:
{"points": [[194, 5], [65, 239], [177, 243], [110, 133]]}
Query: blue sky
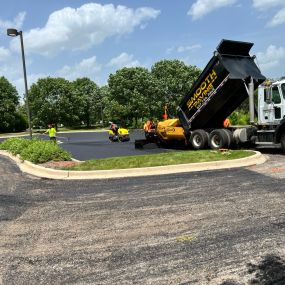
{"points": [[78, 38]]}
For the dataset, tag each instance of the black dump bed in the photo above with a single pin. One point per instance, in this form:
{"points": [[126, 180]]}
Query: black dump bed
{"points": [[221, 87]]}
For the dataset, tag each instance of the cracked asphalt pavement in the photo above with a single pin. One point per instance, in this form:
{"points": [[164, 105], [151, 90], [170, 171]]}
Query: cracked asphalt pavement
{"points": [[223, 227]]}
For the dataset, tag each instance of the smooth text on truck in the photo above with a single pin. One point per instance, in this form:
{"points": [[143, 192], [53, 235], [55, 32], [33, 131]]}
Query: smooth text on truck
{"points": [[229, 78]]}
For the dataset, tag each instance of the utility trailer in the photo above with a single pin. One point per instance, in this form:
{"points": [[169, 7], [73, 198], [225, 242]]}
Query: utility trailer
{"points": [[229, 78]]}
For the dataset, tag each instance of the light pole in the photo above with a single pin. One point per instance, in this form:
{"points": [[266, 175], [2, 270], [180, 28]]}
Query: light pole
{"points": [[15, 33]]}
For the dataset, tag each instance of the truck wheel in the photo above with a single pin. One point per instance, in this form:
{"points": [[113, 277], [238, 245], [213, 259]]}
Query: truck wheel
{"points": [[282, 140], [230, 137], [199, 139], [219, 139]]}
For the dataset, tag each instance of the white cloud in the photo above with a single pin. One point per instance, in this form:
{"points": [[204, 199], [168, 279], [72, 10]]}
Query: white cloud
{"points": [[278, 19], [86, 68], [265, 4], [16, 23], [170, 50], [4, 54], [270, 58], [181, 49], [188, 48], [84, 27], [123, 60], [203, 7]]}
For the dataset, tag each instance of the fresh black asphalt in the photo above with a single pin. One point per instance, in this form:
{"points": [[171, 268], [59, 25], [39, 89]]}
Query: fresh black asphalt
{"points": [[84, 146], [92, 145]]}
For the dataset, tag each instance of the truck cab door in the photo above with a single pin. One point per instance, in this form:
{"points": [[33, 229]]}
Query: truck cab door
{"points": [[271, 105], [278, 103]]}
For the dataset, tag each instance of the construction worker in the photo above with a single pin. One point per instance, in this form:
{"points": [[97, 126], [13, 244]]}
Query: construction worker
{"points": [[149, 125], [149, 128], [146, 126], [51, 131], [114, 128]]}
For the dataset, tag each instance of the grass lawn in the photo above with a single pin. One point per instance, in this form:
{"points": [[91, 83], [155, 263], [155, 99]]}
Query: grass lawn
{"points": [[161, 159]]}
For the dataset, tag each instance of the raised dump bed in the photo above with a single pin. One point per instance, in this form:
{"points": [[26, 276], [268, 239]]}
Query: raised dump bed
{"points": [[220, 88]]}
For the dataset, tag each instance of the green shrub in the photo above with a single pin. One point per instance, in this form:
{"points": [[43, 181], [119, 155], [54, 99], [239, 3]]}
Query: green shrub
{"points": [[239, 118], [43, 151], [35, 150], [15, 145]]}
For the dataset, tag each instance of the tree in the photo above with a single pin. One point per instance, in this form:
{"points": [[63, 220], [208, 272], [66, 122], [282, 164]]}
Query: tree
{"points": [[105, 104], [52, 101], [175, 81], [88, 97], [21, 118], [9, 101], [132, 94]]}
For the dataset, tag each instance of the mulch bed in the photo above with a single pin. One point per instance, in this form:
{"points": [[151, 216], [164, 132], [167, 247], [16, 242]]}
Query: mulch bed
{"points": [[59, 164]]}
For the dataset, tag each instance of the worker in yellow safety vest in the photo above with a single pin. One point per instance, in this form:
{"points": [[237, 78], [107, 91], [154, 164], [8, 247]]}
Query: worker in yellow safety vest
{"points": [[51, 131]]}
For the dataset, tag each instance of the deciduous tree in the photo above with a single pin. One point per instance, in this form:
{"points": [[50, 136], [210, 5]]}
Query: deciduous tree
{"points": [[9, 101]]}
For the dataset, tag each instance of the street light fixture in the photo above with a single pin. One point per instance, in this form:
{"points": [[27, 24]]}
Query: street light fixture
{"points": [[15, 33]]}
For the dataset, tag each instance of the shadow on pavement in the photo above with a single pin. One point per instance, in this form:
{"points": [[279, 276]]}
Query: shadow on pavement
{"points": [[270, 271], [11, 207]]}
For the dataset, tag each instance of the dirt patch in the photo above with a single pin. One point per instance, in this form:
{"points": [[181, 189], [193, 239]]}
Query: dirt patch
{"points": [[59, 164]]}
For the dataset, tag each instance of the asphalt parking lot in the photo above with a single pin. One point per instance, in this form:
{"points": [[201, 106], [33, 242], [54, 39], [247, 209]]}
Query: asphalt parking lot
{"points": [[223, 227]]}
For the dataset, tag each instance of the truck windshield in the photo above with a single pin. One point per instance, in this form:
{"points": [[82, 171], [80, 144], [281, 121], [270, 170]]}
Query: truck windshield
{"points": [[275, 95], [283, 89]]}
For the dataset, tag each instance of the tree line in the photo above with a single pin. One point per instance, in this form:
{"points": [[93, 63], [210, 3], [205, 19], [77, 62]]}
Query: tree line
{"points": [[131, 96]]}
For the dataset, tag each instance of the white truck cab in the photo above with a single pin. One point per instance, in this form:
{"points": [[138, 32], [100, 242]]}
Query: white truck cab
{"points": [[271, 103]]}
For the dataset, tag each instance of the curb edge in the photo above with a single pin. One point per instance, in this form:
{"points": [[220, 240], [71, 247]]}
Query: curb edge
{"points": [[44, 172]]}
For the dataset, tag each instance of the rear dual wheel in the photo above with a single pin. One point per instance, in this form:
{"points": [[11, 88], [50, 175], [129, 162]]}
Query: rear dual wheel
{"points": [[199, 139], [220, 138]]}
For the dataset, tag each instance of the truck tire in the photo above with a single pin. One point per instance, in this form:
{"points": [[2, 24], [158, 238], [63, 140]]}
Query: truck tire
{"points": [[199, 139], [230, 137], [219, 139], [282, 140]]}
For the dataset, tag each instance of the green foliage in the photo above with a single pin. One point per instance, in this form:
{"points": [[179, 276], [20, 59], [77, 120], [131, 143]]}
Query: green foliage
{"points": [[9, 100], [20, 123], [35, 150], [133, 94], [88, 96], [43, 151], [52, 101], [175, 80], [14, 145], [239, 118], [104, 108]]}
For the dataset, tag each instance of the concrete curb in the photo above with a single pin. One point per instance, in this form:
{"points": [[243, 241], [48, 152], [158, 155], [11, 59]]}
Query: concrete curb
{"points": [[44, 172]]}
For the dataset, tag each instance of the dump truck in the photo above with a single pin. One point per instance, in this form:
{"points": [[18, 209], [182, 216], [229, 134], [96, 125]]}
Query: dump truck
{"points": [[228, 79]]}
